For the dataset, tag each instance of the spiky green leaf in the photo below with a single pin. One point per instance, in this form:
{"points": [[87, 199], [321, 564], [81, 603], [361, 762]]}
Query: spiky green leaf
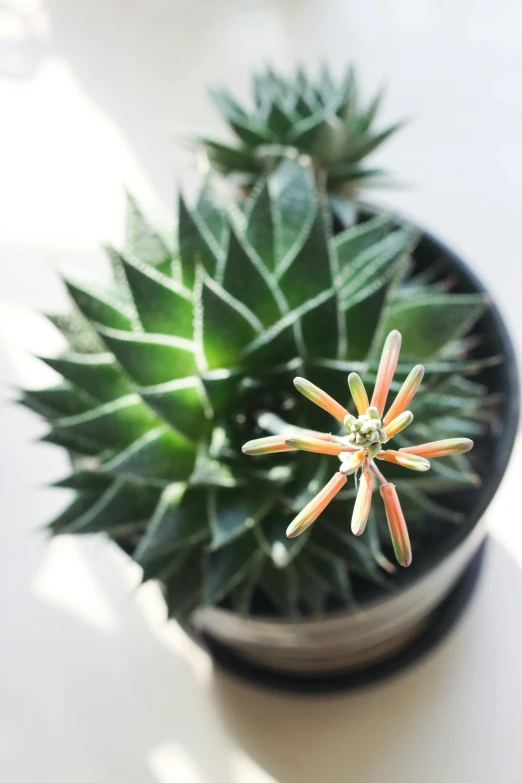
{"points": [[196, 244], [234, 511], [224, 326], [96, 374], [248, 282], [163, 306], [228, 565], [143, 241], [112, 425], [151, 359], [99, 306], [428, 322], [159, 457], [179, 521], [182, 403]]}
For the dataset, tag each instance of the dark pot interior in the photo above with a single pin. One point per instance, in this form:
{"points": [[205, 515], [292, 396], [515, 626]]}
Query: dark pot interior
{"points": [[491, 453]]}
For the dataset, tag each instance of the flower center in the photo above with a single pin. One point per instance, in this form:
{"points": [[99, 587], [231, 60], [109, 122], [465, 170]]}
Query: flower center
{"points": [[366, 431]]}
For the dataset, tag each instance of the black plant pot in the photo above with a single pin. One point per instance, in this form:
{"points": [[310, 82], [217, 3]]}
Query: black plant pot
{"points": [[347, 649]]}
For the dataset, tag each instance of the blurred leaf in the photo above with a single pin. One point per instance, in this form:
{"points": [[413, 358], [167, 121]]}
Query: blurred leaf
{"points": [[151, 359], [242, 595], [228, 565], [260, 229], [181, 403], [163, 306], [248, 282], [72, 442], [428, 322], [210, 212], [224, 326], [221, 387], [275, 346], [320, 329], [179, 521], [281, 587], [97, 374], [183, 586], [293, 196], [369, 305], [112, 425], [278, 122], [350, 244], [160, 456], [144, 242], [56, 401], [226, 158], [234, 511], [79, 506], [121, 505], [196, 245], [367, 143], [331, 572], [272, 537], [310, 271], [99, 306], [77, 331], [226, 104], [84, 480]]}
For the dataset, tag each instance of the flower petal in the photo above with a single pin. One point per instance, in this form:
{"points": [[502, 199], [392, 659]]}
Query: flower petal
{"points": [[398, 424], [268, 445], [317, 445], [313, 434], [405, 460], [316, 506], [406, 394], [360, 397], [397, 524], [353, 463], [348, 421], [387, 365], [363, 502], [440, 448], [321, 398]]}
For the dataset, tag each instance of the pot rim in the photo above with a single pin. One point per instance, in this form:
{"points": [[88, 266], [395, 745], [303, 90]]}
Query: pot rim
{"points": [[476, 532]]}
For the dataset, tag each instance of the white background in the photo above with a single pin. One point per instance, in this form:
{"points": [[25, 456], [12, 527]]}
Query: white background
{"points": [[95, 94]]}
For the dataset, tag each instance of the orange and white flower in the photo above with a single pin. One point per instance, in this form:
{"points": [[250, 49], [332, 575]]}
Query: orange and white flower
{"points": [[367, 434]]}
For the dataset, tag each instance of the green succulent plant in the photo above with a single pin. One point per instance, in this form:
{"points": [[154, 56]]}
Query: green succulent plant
{"points": [[192, 349], [321, 118]]}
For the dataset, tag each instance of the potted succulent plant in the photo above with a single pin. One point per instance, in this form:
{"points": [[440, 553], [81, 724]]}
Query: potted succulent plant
{"points": [[322, 119], [192, 351]]}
